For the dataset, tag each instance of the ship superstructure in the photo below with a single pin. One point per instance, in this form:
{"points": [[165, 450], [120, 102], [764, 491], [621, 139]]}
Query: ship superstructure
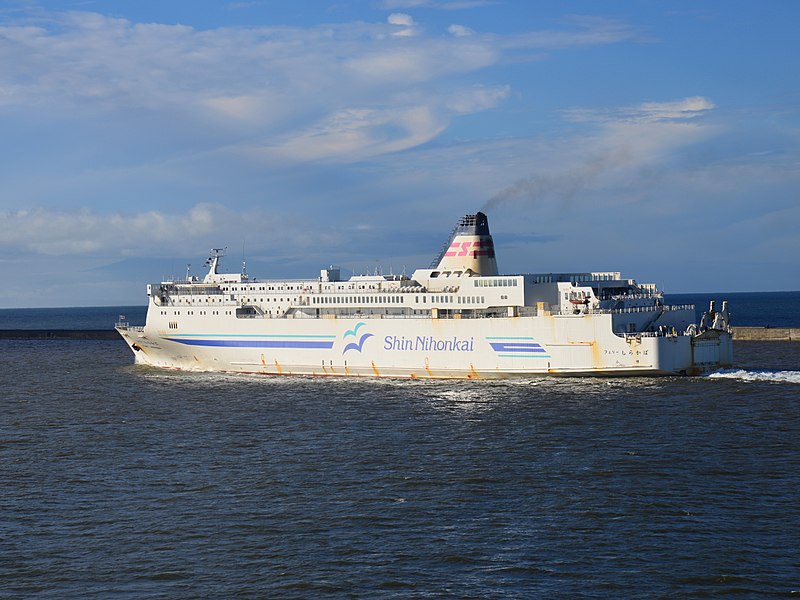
{"points": [[460, 318]]}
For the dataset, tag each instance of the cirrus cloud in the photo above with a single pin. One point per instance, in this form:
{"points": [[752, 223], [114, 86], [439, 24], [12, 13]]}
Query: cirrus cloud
{"points": [[268, 84], [685, 108]]}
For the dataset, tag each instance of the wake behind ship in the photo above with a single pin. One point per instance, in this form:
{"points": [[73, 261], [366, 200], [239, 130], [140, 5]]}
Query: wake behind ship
{"points": [[458, 319]]}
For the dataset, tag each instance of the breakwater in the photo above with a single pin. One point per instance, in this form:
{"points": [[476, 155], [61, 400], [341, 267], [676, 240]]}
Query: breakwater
{"points": [[59, 334], [766, 334]]}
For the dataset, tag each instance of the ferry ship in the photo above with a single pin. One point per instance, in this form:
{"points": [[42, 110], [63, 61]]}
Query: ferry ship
{"points": [[459, 318]]}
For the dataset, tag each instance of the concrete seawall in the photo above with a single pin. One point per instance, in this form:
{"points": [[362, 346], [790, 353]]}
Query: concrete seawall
{"points": [[59, 334], [766, 334]]}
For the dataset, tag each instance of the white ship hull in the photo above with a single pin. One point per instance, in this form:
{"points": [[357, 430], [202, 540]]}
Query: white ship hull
{"points": [[428, 348]]}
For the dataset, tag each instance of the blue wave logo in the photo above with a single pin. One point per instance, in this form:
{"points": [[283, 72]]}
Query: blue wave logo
{"points": [[356, 345]]}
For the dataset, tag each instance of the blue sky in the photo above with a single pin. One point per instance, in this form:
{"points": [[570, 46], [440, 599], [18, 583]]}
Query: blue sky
{"points": [[655, 138]]}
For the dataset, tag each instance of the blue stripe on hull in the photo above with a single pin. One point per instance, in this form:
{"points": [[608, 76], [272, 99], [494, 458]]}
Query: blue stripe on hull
{"points": [[310, 344], [250, 335], [516, 347]]}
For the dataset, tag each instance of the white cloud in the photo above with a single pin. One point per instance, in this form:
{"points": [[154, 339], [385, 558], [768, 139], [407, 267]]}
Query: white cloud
{"points": [[394, 4], [255, 87], [239, 107], [409, 27], [158, 233], [460, 30], [682, 109], [580, 31], [355, 134], [477, 99], [359, 133], [344, 90], [686, 108], [55, 233], [400, 19], [85, 59], [437, 4]]}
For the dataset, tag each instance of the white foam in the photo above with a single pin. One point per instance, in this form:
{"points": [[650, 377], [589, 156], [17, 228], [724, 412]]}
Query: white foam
{"points": [[762, 375]]}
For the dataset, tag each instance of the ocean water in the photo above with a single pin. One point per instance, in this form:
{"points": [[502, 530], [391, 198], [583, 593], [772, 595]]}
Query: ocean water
{"points": [[97, 317], [118, 481], [749, 309]]}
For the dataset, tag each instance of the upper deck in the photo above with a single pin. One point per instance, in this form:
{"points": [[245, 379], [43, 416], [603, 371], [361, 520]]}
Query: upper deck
{"points": [[463, 283]]}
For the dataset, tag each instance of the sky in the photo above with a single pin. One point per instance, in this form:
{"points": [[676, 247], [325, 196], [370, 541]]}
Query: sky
{"points": [[660, 139]]}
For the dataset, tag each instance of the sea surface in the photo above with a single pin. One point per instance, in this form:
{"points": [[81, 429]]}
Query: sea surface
{"points": [[118, 481], [748, 309]]}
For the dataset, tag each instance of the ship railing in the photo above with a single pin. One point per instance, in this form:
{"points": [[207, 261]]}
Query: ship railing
{"points": [[639, 296], [641, 309], [355, 315], [299, 312], [668, 332], [532, 312]]}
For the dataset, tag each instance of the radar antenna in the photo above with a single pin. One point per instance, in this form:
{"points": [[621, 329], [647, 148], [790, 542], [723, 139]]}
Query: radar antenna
{"points": [[216, 253], [213, 261]]}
